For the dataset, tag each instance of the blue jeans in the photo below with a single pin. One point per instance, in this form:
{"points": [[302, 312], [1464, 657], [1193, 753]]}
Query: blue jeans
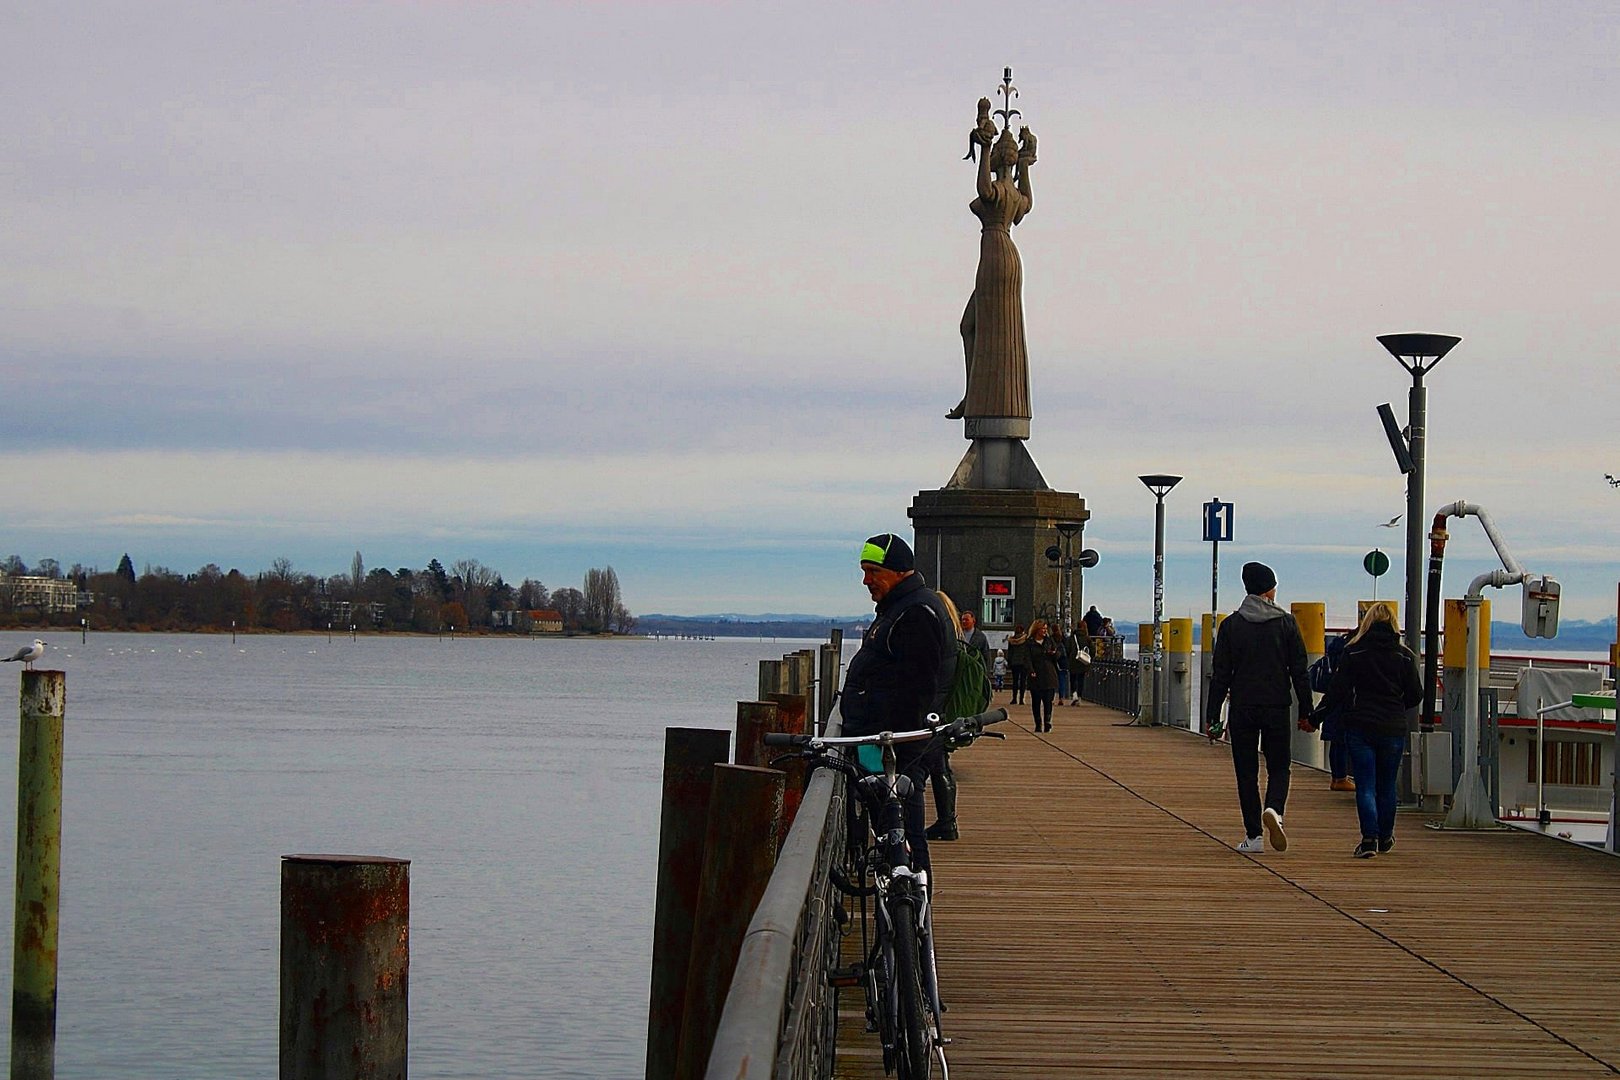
{"points": [[1375, 762], [1063, 684]]}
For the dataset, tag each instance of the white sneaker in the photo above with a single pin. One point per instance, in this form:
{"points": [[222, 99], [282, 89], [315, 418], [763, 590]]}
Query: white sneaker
{"points": [[1252, 846], [1274, 829]]}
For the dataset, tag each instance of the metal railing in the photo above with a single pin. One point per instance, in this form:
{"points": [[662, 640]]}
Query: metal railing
{"points": [[781, 1016], [1113, 684]]}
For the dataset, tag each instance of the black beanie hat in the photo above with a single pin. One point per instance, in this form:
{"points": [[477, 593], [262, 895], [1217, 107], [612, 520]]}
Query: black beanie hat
{"points": [[890, 552], [1258, 578]]}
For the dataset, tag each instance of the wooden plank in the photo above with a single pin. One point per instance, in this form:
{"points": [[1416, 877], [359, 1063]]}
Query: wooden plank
{"points": [[1095, 918]]}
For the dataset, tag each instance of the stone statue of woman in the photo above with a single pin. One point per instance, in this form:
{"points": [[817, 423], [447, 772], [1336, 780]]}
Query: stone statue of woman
{"points": [[993, 324]]}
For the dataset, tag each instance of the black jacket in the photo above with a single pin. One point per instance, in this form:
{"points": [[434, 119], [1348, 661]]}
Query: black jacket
{"points": [[1376, 683], [904, 668], [1044, 659], [1259, 660]]}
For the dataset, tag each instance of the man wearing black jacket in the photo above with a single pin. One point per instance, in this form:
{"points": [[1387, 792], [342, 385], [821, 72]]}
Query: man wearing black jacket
{"points": [[904, 668], [1260, 663]]}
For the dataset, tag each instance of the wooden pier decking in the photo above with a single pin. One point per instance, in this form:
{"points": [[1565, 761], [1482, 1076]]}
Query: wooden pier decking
{"points": [[1095, 919]]}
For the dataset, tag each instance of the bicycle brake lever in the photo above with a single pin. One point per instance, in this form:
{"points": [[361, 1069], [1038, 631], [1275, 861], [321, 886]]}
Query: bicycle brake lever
{"points": [[993, 735]]}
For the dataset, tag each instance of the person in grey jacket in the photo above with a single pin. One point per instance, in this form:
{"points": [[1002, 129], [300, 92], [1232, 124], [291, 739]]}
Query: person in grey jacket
{"points": [[1260, 663]]}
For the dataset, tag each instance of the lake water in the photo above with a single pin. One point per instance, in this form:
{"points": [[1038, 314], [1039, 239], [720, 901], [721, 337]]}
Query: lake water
{"points": [[521, 778]]}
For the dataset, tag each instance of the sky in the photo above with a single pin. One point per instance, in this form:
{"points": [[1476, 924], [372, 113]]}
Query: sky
{"points": [[675, 287]]}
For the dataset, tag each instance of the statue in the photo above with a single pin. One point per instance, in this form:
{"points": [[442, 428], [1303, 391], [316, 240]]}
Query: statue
{"points": [[993, 324]]}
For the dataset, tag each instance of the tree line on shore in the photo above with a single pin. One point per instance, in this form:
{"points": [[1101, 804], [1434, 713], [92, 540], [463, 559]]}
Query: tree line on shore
{"points": [[467, 595]]}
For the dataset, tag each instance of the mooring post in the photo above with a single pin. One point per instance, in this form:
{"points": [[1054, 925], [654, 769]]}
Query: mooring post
{"points": [[690, 757], [739, 854], [793, 719], [770, 678], [39, 875], [345, 965], [754, 720]]}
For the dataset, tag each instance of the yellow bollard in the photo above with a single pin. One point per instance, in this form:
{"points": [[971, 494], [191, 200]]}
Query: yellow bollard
{"points": [[1306, 746], [1178, 657]]}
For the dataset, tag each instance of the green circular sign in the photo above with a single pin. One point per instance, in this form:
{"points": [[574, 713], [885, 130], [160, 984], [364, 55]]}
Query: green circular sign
{"points": [[1376, 563]]}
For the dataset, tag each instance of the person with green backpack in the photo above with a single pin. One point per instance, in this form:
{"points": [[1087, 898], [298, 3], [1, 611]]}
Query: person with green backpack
{"points": [[969, 695]]}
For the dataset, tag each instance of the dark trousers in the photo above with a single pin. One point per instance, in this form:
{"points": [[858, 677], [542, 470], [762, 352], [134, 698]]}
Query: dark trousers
{"points": [[1376, 762], [1256, 730], [1040, 703], [1020, 683], [1338, 756]]}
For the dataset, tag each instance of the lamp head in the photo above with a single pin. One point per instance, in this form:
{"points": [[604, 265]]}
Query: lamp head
{"points": [[1160, 483], [1068, 528], [1418, 353]]}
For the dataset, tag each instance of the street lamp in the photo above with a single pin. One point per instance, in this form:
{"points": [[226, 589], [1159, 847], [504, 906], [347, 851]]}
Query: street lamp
{"points": [[1418, 354], [1067, 530], [1160, 484]]}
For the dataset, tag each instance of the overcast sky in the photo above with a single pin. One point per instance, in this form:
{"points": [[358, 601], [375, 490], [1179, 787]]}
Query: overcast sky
{"points": [[675, 287]]}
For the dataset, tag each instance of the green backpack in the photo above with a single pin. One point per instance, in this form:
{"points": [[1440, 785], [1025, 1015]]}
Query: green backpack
{"points": [[970, 686]]}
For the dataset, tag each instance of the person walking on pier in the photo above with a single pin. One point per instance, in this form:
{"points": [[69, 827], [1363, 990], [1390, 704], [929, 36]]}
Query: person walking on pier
{"points": [[1018, 660], [1044, 653], [1260, 663], [904, 667], [1377, 681], [975, 639]]}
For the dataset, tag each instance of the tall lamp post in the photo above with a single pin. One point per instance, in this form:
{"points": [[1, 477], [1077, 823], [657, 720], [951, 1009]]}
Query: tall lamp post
{"points": [[1418, 354], [1160, 484], [1067, 530]]}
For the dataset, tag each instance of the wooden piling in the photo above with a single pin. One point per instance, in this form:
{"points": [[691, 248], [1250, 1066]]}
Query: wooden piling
{"points": [[791, 719], [739, 853], [754, 720], [771, 678], [39, 875], [345, 966], [690, 757]]}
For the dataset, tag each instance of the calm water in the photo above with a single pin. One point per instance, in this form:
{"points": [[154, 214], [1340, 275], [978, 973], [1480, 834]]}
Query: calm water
{"points": [[521, 777]]}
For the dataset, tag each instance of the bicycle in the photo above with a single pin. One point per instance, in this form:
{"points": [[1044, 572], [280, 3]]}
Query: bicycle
{"points": [[897, 972]]}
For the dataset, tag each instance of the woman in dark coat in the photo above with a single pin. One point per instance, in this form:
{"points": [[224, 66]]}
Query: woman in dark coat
{"points": [[1043, 650], [1376, 683], [1018, 660]]}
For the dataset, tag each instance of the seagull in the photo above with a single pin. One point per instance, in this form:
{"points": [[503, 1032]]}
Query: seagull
{"points": [[1391, 523], [27, 654]]}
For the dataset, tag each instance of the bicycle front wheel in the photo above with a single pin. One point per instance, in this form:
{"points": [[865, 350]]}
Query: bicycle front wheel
{"points": [[914, 1049]]}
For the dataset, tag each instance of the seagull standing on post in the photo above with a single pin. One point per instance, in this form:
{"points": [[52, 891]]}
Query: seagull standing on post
{"points": [[27, 654]]}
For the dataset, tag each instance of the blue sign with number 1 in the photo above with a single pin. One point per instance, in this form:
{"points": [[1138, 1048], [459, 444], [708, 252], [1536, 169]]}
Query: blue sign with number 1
{"points": [[1218, 521]]}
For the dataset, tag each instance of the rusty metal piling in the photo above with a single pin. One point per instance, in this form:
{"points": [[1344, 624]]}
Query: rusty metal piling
{"points": [[39, 875], [690, 757], [345, 965]]}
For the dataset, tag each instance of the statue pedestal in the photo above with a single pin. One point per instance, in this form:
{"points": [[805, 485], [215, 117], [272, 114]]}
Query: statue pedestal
{"points": [[965, 535]]}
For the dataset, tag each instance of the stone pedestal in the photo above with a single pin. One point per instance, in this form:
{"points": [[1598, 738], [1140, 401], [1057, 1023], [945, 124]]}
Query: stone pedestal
{"points": [[964, 535]]}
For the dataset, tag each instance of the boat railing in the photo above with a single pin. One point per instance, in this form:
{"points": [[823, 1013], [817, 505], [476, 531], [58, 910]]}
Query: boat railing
{"points": [[781, 1015]]}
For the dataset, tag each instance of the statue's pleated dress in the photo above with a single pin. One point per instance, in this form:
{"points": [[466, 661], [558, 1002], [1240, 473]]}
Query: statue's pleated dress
{"points": [[998, 377]]}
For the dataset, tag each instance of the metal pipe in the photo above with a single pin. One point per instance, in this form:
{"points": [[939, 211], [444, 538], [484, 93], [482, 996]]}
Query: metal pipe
{"points": [[345, 966], [1470, 807], [39, 875]]}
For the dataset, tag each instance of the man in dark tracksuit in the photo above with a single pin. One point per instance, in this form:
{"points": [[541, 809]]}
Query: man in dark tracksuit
{"points": [[904, 668], [1260, 662]]}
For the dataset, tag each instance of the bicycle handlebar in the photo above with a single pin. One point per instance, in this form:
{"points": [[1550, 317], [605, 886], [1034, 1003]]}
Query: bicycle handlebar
{"points": [[970, 727]]}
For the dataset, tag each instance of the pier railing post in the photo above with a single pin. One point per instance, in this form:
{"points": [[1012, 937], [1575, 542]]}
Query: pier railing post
{"points": [[345, 966], [690, 757], [832, 662], [39, 875], [739, 853]]}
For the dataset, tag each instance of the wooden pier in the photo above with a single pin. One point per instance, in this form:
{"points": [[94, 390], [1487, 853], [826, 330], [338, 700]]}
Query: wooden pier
{"points": [[1096, 919]]}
